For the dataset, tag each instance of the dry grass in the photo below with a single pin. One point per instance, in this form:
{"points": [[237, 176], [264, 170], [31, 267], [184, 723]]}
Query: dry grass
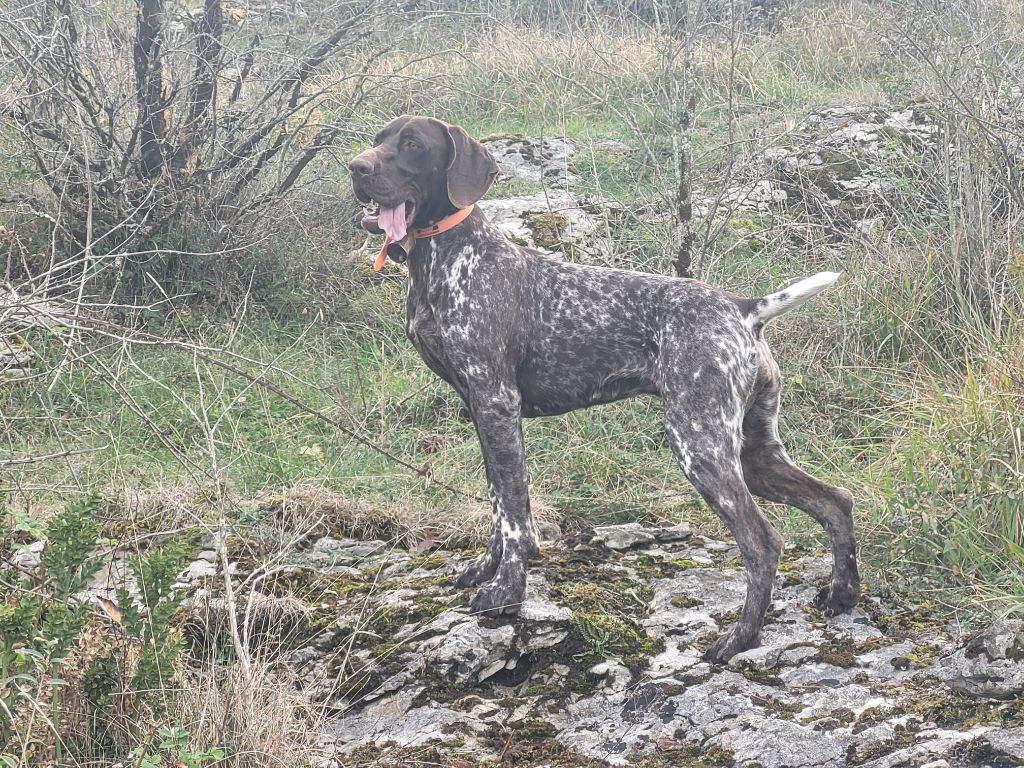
{"points": [[303, 506], [262, 713]]}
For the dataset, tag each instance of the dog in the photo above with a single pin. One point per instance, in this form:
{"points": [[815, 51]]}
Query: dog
{"points": [[519, 333]]}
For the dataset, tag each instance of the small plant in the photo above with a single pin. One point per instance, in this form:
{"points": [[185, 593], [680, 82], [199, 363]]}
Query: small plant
{"points": [[174, 741], [40, 619], [156, 574], [598, 639]]}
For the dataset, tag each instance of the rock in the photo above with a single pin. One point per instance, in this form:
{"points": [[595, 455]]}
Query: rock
{"points": [[676, 533], [539, 609], [613, 673], [673, 660], [936, 764], [977, 676], [1001, 640], [617, 676], [844, 165], [492, 669], [784, 743], [27, 557], [200, 568], [469, 649], [440, 624], [553, 221], [535, 160], [328, 552], [623, 536], [1009, 742], [929, 744]]}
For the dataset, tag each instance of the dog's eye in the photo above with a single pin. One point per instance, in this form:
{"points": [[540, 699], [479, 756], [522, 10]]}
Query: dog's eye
{"points": [[410, 144]]}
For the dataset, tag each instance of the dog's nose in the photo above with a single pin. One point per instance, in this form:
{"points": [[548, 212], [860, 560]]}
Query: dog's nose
{"points": [[360, 166]]}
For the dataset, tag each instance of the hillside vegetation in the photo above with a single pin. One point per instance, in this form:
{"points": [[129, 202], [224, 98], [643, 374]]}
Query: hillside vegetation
{"points": [[145, 315]]}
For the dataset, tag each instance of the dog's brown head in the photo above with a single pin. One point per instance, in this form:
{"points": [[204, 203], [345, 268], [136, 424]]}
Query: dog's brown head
{"points": [[418, 171]]}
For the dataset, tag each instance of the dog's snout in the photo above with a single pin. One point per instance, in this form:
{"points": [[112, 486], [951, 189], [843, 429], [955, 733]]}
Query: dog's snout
{"points": [[361, 165]]}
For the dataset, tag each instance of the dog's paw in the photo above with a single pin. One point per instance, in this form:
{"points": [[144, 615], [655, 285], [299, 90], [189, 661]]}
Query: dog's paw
{"points": [[832, 600], [728, 645], [498, 599], [480, 571]]}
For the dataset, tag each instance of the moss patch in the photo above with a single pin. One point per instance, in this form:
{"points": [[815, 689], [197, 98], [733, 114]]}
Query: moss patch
{"points": [[902, 737], [548, 229], [684, 601], [678, 752], [843, 651], [922, 656], [654, 568], [531, 742]]}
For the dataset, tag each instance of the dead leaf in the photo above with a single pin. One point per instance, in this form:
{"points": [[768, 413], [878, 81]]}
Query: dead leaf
{"points": [[428, 543], [668, 744], [110, 608]]}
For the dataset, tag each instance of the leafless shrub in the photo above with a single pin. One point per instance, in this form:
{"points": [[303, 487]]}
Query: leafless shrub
{"points": [[142, 144]]}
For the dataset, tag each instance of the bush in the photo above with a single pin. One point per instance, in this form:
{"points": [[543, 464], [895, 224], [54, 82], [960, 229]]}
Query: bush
{"points": [[100, 681]]}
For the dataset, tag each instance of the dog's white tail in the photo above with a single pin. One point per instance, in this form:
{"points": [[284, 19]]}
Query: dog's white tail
{"points": [[774, 304]]}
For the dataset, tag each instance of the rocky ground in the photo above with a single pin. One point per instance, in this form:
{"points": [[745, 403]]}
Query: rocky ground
{"points": [[604, 665]]}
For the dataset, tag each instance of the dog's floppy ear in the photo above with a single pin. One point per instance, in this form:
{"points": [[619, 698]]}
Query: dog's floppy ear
{"points": [[471, 170]]}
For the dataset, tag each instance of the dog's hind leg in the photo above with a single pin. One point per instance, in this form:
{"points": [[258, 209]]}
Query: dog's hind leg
{"points": [[707, 449], [772, 475], [501, 570]]}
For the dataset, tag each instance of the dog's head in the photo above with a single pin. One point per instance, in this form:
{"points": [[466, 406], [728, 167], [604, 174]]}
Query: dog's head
{"points": [[418, 171]]}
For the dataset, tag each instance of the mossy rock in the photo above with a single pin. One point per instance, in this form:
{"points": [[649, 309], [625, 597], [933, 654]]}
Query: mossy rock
{"points": [[611, 636], [548, 229], [685, 753], [649, 567], [312, 585], [865, 753], [684, 601], [922, 656]]}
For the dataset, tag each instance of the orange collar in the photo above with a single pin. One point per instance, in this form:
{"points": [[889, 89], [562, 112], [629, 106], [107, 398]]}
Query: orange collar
{"points": [[448, 222]]}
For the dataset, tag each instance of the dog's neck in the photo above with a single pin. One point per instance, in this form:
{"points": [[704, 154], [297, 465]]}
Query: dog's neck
{"points": [[429, 249]]}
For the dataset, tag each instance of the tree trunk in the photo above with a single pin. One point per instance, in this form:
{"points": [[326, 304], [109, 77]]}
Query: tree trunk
{"points": [[150, 89], [209, 44]]}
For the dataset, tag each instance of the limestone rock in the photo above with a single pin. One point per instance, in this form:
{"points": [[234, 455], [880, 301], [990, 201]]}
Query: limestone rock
{"points": [[605, 663], [1001, 640], [552, 221], [1009, 743], [974, 674], [623, 536], [468, 650], [535, 160]]}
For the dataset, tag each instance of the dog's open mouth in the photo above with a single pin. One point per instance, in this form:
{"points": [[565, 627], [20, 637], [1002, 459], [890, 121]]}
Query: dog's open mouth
{"points": [[391, 221]]}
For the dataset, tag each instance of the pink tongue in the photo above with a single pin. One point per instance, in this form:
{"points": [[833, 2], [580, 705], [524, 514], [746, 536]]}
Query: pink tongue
{"points": [[392, 221]]}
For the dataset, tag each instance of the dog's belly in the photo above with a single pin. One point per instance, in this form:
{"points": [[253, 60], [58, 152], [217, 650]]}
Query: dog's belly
{"points": [[549, 387]]}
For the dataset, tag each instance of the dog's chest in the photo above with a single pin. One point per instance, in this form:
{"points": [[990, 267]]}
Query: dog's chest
{"points": [[422, 325]]}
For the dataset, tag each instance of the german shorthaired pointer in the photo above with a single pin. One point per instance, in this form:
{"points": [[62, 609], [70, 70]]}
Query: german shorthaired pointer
{"points": [[520, 333]]}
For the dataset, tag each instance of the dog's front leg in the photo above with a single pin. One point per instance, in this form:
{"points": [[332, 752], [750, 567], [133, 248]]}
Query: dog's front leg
{"points": [[501, 570]]}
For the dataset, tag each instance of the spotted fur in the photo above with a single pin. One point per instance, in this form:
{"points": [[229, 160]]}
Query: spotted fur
{"points": [[519, 333]]}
